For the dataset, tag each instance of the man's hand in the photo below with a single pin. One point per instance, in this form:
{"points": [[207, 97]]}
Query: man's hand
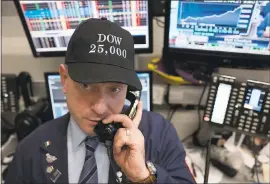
{"points": [[128, 147]]}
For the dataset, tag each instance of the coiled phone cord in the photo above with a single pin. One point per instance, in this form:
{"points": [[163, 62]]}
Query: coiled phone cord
{"points": [[108, 145]]}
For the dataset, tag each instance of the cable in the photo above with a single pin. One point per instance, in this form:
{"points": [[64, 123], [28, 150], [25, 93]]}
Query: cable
{"points": [[108, 145], [207, 162], [172, 107], [169, 113], [256, 169], [196, 165], [199, 105], [196, 141], [159, 23], [172, 113], [256, 160]]}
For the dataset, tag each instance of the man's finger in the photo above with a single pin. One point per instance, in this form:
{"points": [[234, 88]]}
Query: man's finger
{"points": [[121, 118], [138, 116], [120, 140]]}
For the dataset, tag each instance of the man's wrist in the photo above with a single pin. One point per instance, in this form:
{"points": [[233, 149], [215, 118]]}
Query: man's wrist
{"points": [[150, 174], [142, 176]]}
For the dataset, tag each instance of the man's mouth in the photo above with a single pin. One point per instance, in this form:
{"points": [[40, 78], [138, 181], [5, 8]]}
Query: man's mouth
{"points": [[93, 122]]}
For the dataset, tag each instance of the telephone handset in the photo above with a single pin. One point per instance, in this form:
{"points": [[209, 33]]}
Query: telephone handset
{"points": [[106, 132]]}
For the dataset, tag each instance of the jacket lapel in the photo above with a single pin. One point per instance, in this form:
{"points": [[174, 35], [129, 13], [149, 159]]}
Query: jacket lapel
{"points": [[112, 174], [112, 178], [54, 155]]}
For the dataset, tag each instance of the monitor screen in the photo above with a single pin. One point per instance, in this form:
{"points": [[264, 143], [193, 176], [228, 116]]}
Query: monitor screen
{"points": [[221, 103], [58, 100], [218, 25], [50, 24], [254, 99]]}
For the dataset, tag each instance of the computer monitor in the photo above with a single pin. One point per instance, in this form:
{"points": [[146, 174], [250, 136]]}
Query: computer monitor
{"points": [[57, 100], [49, 24], [229, 33]]}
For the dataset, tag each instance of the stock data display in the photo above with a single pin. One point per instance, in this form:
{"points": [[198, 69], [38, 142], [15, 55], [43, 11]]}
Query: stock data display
{"points": [[51, 23], [217, 25]]}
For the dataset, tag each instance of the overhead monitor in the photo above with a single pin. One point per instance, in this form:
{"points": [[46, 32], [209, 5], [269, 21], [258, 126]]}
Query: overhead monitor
{"points": [[227, 29], [49, 24], [57, 100]]}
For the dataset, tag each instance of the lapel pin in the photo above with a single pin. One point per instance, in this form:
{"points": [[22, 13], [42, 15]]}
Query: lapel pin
{"points": [[47, 143], [49, 169], [55, 175], [119, 176], [50, 158]]}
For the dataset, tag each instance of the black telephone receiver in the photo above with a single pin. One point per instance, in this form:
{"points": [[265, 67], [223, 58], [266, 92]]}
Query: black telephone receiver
{"points": [[106, 132]]}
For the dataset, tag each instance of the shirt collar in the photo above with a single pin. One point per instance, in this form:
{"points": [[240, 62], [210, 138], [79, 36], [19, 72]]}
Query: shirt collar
{"points": [[76, 134]]}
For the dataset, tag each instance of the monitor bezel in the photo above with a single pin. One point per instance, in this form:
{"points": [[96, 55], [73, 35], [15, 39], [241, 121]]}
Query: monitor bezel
{"points": [[63, 53], [213, 59], [150, 85], [46, 78]]}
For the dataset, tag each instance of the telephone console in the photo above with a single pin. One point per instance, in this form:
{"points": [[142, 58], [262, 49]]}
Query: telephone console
{"points": [[9, 93], [242, 106]]}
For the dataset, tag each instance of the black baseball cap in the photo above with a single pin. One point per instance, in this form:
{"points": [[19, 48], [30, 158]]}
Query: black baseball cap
{"points": [[102, 51]]}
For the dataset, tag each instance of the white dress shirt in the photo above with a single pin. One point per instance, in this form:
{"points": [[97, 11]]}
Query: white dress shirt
{"points": [[76, 155]]}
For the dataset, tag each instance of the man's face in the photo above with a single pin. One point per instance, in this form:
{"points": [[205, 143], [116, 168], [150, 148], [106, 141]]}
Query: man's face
{"points": [[90, 103]]}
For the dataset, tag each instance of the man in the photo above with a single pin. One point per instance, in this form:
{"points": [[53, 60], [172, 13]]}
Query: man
{"points": [[98, 71]]}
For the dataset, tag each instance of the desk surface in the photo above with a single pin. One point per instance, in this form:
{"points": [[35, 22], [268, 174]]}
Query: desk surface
{"points": [[197, 156]]}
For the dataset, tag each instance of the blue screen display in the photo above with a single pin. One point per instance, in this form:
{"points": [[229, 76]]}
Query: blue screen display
{"points": [[227, 26], [254, 99]]}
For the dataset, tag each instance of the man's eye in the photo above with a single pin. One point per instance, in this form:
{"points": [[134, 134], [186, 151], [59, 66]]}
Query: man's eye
{"points": [[85, 86], [116, 89]]}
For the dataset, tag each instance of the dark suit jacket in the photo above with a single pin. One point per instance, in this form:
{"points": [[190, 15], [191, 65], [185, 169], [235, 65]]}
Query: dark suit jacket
{"points": [[162, 147]]}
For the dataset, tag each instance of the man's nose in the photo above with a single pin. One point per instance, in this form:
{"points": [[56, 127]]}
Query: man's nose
{"points": [[99, 105]]}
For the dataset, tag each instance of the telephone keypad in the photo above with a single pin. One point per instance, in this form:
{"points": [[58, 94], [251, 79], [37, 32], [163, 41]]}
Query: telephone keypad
{"points": [[264, 119], [254, 128], [242, 113], [236, 113]]}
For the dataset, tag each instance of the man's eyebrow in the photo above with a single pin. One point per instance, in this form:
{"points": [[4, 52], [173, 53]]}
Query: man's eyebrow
{"points": [[117, 84]]}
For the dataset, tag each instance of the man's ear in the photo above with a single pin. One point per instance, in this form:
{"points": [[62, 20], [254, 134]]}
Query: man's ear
{"points": [[63, 71]]}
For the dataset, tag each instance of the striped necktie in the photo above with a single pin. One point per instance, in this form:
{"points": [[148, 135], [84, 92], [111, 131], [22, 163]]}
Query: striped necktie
{"points": [[89, 172]]}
